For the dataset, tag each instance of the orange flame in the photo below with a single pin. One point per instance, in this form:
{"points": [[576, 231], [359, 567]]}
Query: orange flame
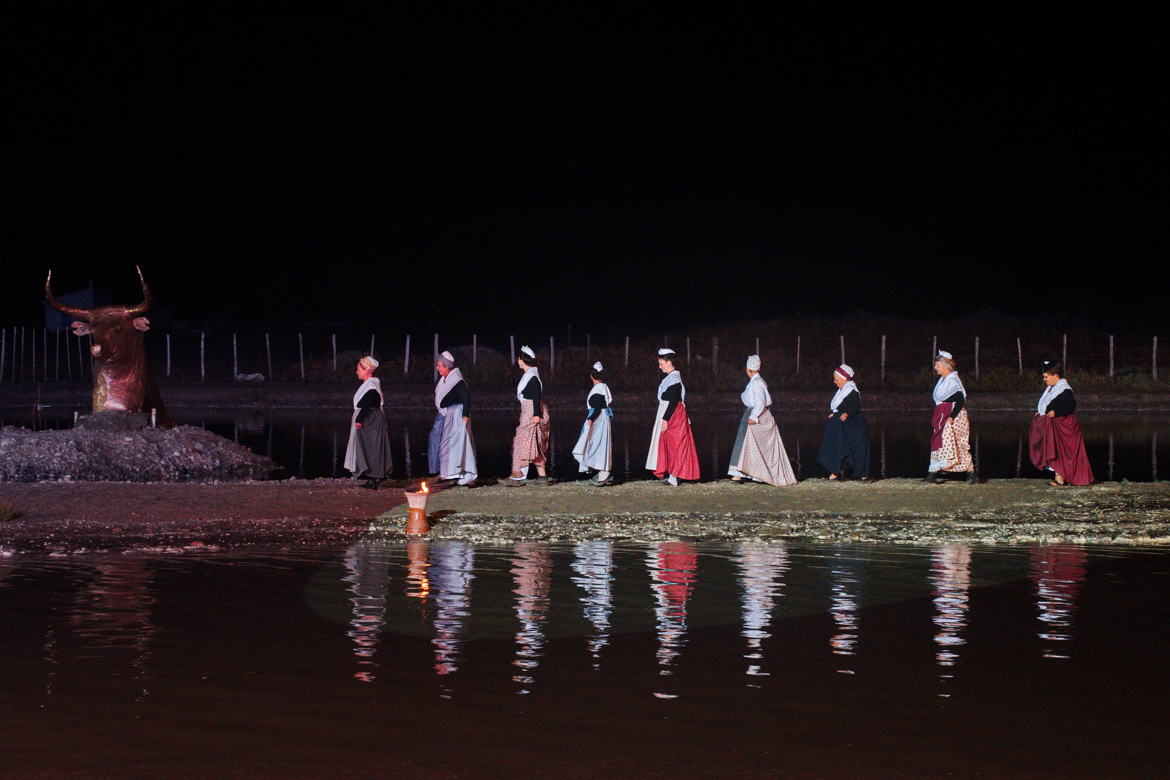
{"points": [[425, 489]]}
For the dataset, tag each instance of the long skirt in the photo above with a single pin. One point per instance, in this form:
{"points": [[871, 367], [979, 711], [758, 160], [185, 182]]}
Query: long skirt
{"points": [[845, 446], [1056, 443], [759, 452], [530, 444], [450, 448], [594, 448], [367, 455], [953, 450], [673, 451]]}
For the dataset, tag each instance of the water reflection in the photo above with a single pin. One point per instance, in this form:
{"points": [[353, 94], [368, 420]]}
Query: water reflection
{"points": [[532, 575], [672, 567], [452, 563], [845, 574], [367, 567], [761, 578], [593, 562], [950, 574], [1058, 572]]}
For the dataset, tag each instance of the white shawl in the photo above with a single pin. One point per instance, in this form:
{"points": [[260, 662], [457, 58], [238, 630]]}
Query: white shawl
{"points": [[444, 385], [842, 393], [756, 396], [532, 372], [673, 378], [373, 383], [599, 389], [1050, 393], [947, 386]]}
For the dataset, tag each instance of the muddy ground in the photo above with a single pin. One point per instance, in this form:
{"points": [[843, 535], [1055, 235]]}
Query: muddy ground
{"points": [[73, 516]]}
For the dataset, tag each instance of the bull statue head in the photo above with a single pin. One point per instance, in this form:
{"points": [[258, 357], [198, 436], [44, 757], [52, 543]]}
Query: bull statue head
{"points": [[121, 379]]}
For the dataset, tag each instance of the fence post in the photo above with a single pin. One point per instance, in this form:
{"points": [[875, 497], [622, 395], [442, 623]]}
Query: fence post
{"points": [[235, 358], [757, 345], [301, 347], [168, 353], [714, 354], [334, 341], [1110, 354], [798, 355], [435, 359], [512, 348], [552, 355], [371, 353], [1020, 355], [688, 351], [1064, 351], [474, 349], [627, 351], [4, 350], [406, 356], [933, 349], [202, 357], [33, 373], [57, 358], [1154, 362], [976, 357], [842, 348], [268, 355], [883, 358], [80, 362]]}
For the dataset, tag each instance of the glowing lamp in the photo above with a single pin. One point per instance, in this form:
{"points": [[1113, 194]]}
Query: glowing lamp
{"points": [[416, 514]]}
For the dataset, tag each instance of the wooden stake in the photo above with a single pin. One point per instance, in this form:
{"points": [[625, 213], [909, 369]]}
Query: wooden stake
{"points": [[406, 356]]}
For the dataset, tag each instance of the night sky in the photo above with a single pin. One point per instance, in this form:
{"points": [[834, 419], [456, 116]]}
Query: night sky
{"points": [[532, 167]]}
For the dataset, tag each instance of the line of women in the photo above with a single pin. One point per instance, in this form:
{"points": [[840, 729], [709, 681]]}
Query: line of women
{"points": [[758, 454]]}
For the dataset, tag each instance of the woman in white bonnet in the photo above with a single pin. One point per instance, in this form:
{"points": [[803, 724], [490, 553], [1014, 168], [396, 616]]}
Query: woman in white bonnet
{"points": [[672, 454], [530, 445], [594, 448], [845, 444], [367, 455], [758, 454], [950, 439]]}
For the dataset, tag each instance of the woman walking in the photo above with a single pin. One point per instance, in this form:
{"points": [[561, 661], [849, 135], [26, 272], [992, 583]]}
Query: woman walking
{"points": [[950, 439], [1056, 443], [672, 453], [594, 448], [758, 454], [845, 444], [367, 455], [530, 445]]}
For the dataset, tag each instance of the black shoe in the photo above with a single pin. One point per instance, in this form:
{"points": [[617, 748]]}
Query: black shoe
{"points": [[932, 478], [972, 478], [370, 484]]}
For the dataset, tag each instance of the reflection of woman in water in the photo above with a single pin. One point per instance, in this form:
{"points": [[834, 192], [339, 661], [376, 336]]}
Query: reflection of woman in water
{"points": [[1056, 443], [367, 455]]}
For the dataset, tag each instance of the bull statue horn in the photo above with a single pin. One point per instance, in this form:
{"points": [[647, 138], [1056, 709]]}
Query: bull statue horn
{"points": [[142, 307], [72, 311]]}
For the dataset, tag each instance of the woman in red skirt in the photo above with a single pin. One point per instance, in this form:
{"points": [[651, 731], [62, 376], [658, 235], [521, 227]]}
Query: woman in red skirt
{"points": [[1056, 443], [672, 446]]}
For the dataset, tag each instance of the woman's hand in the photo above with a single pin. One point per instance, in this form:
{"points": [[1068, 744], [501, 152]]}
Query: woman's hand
{"points": [[665, 423], [535, 420], [467, 420], [357, 425], [844, 416], [752, 422], [1052, 414]]}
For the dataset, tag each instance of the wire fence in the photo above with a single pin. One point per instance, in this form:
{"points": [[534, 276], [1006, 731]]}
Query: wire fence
{"points": [[901, 360]]}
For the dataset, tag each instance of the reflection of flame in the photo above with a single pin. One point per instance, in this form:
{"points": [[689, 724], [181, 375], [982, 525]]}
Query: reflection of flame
{"points": [[424, 488]]}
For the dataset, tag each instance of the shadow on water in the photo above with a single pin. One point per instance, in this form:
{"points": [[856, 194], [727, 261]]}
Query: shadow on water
{"points": [[588, 658], [1121, 445]]}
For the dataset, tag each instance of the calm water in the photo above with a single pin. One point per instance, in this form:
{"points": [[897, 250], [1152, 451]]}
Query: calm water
{"points": [[1120, 445], [595, 659]]}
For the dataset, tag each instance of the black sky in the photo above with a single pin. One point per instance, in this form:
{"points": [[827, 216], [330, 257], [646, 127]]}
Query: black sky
{"points": [[390, 162]]}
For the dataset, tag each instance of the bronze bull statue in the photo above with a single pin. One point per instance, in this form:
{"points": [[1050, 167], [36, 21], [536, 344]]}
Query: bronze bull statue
{"points": [[121, 379]]}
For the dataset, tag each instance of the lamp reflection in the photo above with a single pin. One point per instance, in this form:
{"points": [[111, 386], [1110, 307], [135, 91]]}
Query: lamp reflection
{"points": [[1058, 572], [761, 571], [593, 562], [531, 573]]}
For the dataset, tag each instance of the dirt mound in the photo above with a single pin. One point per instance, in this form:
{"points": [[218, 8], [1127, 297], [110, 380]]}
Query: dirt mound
{"points": [[178, 454]]}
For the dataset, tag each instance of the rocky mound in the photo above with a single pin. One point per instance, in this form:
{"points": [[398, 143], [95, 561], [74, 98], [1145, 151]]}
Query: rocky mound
{"points": [[116, 453]]}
